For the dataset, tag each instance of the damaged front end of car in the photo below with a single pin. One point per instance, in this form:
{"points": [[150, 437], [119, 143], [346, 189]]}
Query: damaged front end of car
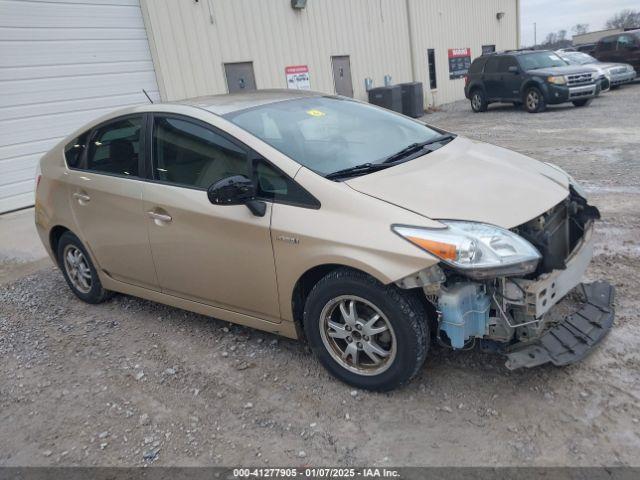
{"points": [[502, 287]]}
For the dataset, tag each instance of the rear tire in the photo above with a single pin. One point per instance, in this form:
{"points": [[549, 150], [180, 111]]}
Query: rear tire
{"points": [[534, 100], [367, 334], [479, 101], [78, 270]]}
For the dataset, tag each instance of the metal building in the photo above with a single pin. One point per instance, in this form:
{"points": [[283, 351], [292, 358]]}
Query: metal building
{"points": [[63, 63]]}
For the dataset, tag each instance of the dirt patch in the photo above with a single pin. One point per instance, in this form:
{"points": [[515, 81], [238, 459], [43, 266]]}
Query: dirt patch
{"points": [[131, 382]]}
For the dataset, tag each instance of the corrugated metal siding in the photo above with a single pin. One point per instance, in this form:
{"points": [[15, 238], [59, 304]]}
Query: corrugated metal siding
{"points": [[63, 63], [190, 50], [445, 24]]}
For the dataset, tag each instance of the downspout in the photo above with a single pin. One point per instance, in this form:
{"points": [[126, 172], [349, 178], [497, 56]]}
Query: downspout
{"points": [[518, 24], [411, 47]]}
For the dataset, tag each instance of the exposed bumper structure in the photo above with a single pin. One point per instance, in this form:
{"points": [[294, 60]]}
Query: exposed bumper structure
{"points": [[575, 337]]}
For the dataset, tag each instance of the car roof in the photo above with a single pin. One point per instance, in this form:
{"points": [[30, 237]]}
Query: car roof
{"points": [[233, 102]]}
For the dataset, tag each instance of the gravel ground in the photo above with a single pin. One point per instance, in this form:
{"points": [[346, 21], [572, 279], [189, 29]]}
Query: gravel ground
{"points": [[131, 382]]}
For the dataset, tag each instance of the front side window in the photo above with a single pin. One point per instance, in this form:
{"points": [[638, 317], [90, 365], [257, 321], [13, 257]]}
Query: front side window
{"points": [[192, 155], [625, 42], [115, 147], [273, 185], [327, 134]]}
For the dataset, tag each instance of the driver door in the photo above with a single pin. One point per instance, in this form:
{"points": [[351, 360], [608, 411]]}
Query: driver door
{"points": [[220, 255]]}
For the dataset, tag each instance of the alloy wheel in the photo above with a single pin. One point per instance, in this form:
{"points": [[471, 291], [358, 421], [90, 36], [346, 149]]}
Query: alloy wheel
{"points": [[476, 102], [533, 100], [77, 268], [358, 335]]}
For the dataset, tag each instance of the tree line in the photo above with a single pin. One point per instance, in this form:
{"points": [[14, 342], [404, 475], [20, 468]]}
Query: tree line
{"points": [[623, 19]]}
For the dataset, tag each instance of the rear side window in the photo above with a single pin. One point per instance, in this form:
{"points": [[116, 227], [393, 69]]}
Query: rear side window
{"points": [[608, 44], [492, 65], [505, 63], [115, 147], [476, 66], [188, 154], [74, 149]]}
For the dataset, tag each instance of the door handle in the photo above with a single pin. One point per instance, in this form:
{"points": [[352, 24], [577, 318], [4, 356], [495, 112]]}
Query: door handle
{"points": [[82, 197], [160, 217]]}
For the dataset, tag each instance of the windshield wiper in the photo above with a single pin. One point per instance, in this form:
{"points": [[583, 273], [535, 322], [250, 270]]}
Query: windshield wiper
{"points": [[369, 167], [416, 147], [357, 170]]}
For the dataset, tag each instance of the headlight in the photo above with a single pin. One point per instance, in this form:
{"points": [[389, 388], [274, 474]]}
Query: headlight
{"points": [[476, 249], [572, 181], [557, 80]]}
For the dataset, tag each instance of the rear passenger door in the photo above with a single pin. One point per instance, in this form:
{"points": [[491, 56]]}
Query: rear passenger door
{"points": [[491, 78], [606, 49], [106, 170], [510, 80]]}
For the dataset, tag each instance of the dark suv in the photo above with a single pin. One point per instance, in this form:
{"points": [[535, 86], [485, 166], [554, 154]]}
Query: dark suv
{"points": [[621, 48], [535, 78]]}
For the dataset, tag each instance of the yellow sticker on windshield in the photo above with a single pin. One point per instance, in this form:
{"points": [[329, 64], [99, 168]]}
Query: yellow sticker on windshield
{"points": [[316, 113]]}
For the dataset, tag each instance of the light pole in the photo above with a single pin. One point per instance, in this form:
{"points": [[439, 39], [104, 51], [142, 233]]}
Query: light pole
{"points": [[535, 34]]}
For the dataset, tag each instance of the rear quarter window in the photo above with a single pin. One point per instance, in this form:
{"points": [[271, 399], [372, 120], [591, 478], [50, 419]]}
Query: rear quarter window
{"points": [[477, 65], [74, 149]]}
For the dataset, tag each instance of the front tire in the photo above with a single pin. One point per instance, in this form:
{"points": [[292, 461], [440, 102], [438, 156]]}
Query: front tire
{"points": [[369, 335], [582, 103], [479, 101], [78, 270], [534, 100]]}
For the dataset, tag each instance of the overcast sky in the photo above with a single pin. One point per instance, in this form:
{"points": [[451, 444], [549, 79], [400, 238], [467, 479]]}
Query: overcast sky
{"points": [[554, 15]]}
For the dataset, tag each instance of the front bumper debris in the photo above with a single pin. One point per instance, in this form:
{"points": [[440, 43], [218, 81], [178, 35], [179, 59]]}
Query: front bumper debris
{"points": [[575, 337]]}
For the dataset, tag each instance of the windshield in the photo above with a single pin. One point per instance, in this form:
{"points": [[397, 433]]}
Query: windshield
{"points": [[534, 61], [327, 134], [578, 58]]}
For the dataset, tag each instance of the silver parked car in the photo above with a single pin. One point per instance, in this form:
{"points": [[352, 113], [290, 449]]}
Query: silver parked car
{"points": [[616, 73]]}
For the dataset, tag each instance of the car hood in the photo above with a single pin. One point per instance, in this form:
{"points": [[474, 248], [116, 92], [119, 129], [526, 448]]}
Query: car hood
{"points": [[568, 70], [469, 180]]}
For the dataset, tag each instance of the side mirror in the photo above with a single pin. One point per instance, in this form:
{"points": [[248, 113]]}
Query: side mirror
{"points": [[236, 190], [514, 69]]}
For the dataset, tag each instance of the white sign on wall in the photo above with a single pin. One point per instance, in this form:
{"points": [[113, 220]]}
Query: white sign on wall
{"points": [[298, 77]]}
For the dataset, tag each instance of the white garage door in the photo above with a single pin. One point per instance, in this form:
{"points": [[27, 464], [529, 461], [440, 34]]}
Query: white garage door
{"points": [[63, 63]]}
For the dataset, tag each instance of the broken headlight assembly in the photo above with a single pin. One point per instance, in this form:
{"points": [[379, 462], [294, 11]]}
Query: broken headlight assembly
{"points": [[477, 250]]}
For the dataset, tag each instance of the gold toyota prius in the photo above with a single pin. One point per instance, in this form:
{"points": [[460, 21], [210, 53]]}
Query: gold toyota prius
{"points": [[368, 234]]}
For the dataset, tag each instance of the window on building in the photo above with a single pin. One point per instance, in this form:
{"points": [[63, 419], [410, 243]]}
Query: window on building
{"points": [[115, 147], [188, 154], [431, 57]]}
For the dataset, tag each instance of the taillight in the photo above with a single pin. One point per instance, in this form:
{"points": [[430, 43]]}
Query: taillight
{"points": [[466, 79]]}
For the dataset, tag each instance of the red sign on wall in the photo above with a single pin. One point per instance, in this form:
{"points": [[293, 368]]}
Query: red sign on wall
{"points": [[298, 77], [459, 62]]}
